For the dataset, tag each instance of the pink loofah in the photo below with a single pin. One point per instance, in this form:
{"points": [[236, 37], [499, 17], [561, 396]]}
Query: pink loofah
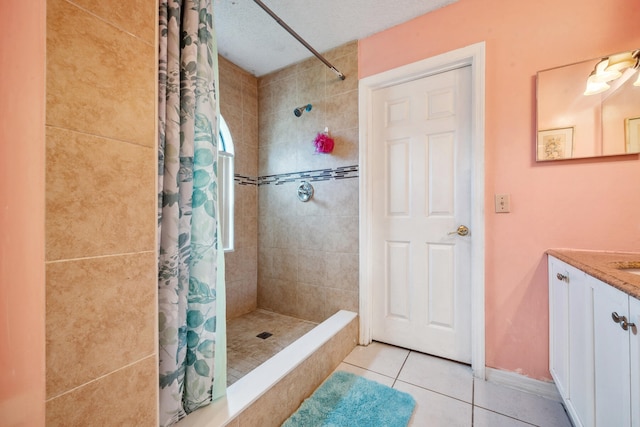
{"points": [[323, 142]]}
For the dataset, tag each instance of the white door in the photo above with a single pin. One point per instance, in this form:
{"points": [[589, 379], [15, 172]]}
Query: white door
{"points": [[421, 169]]}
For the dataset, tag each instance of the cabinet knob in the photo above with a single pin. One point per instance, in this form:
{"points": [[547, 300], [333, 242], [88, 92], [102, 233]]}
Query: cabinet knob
{"points": [[562, 277], [626, 325], [617, 318]]}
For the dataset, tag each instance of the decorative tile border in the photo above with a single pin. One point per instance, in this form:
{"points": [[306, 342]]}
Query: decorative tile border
{"points": [[343, 172], [245, 180]]}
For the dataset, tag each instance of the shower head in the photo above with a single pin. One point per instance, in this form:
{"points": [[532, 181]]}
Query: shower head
{"points": [[298, 111]]}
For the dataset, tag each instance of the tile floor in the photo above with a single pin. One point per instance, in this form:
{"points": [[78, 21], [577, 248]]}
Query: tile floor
{"points": [[446, 393], [245, 351]]}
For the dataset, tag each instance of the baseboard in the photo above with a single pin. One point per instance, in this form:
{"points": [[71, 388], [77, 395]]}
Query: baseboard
{"points": [[546, 389]]}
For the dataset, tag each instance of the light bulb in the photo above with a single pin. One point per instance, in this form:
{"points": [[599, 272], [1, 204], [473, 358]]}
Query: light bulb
{"points": [[594, 86], [602, 72]]}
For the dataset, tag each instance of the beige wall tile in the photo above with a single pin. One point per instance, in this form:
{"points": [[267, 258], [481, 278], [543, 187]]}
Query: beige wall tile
{"points": [[241, 264], [278, 295], [278, 200], [285, 95], [250, 137], [286, 298], [247, 199], [246, 230], [233, 117], [264, 99], [100, 316], [233, 264], [100, 196], [285, 264], [348, 65], [100, 200], [231, 90], [266, 231], [311, 84], [250, 257], [345, 200], [127, 397], [311, 302], [279, 157], [343, 234], [282, 74], [249, 94], [338, 299], [239, 105], [100, 80], [287, 231], [127, 18], [331, 198], [250, 291], [312, 267], [342, 111], [248, 299], [267, 128], [266, 292], [348, 49], [313, 233], [342, 270], [233, 293], [345, 151], [265, 263]]}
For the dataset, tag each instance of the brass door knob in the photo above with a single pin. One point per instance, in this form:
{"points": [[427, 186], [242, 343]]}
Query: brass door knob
{"points": [[463, 230]]}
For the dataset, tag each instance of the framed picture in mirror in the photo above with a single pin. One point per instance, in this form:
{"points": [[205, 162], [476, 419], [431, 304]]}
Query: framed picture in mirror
{"points": [[632, 133], [555, 144]]}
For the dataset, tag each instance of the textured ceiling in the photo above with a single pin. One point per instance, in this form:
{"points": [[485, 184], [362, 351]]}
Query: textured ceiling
{"points": [[251, 39]]}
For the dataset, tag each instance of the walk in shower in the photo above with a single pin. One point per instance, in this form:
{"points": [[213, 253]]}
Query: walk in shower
{"points": [[294, 263]]}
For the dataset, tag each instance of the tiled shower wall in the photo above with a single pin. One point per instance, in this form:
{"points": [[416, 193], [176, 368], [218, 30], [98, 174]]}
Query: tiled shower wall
{"points": [[101, 305], [308, 252], [239, 107]]}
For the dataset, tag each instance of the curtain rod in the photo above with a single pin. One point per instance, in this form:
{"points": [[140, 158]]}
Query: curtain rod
{"points": [[300, 39]]}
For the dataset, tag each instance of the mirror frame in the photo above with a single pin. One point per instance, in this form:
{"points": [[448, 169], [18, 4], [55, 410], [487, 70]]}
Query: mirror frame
{"points": [[571, 125]]}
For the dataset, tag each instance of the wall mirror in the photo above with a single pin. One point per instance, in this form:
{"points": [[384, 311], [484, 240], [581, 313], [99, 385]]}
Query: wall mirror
{"points": [[589, 109]]}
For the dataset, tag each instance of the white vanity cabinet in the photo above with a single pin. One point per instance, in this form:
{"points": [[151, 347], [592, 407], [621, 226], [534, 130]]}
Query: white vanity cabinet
{"points": [[594, 348], [571, 361], [634, 351], [613, 380]]}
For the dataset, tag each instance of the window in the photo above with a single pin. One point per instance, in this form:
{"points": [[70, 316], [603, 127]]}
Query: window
{"points": [[225, 185]]}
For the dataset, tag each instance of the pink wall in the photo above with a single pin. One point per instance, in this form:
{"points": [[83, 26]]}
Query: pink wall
{"points": [[590, 204], [22, 112]]}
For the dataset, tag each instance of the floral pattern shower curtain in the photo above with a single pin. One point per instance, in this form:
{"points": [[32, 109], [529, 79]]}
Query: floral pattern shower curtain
{"points": [[192, 350]]}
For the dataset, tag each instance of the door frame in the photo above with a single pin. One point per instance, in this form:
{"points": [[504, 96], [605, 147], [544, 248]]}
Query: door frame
{"points": [[474, 56]]}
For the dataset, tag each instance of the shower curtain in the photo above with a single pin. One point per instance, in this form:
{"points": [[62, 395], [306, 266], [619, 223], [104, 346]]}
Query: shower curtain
{"points": [[191, 298]]}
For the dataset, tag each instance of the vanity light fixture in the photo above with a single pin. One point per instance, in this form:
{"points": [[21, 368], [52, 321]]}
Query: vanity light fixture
{"points": [[620, 61], [611, 68]]}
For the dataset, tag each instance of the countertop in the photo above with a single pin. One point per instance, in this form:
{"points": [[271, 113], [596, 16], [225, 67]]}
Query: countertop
{"points": [[605, 266]]}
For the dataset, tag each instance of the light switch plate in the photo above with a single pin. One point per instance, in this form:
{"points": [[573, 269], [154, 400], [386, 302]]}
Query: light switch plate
{"points": [[503, 203]]}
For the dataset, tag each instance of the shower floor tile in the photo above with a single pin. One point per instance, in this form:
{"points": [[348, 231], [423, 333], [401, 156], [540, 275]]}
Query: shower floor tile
{"points": [[245, 351]]}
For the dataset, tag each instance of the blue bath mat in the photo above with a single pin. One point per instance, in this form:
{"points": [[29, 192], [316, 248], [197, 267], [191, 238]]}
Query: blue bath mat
{"points": [[349, 400]]}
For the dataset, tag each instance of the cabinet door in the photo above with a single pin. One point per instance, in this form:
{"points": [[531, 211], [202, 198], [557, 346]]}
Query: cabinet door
{"points": [[613, 394], [559, 325], [581, 336], [634, 342]]}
